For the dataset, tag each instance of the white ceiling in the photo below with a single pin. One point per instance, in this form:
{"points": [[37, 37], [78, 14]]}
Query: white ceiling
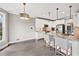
{"points": [[41, 9]]}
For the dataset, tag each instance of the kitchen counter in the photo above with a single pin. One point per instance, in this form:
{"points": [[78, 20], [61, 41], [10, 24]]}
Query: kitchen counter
{"points": [[74, 42], [62, 35]]}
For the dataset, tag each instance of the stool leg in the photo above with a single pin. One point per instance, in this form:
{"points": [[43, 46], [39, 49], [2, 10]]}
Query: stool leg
{"points": [[67, 52], [71, 51], [55, 50]]}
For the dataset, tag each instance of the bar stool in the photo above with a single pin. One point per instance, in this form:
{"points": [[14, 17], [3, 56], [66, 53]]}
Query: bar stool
{"points": [[52, 41], [61, 43]]}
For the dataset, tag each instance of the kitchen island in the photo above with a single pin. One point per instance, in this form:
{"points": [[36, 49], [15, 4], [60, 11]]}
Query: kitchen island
{"points": [[65, 42]]}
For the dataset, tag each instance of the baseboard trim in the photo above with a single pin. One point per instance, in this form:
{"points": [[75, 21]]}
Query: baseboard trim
{"points": [[6, 45], [19, 41], [41, 39], [24, 40]]}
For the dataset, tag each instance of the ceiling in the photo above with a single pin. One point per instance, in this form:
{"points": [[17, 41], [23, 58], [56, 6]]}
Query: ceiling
{"points": [[41, 9]]}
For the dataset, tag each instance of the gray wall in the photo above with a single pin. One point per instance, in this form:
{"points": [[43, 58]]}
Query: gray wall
{"points": [[16, 29], [19, 29]]}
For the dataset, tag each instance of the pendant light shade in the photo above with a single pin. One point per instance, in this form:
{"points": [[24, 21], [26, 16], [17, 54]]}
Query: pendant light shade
{"points": [[24, 15]]}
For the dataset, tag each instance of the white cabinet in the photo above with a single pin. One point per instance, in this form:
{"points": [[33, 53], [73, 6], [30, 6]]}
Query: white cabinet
{"points": [[75, 48], [76, 19], [39, 35]]}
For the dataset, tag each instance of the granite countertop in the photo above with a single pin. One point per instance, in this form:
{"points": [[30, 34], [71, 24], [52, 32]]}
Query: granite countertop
{"points": [[69, 37]]}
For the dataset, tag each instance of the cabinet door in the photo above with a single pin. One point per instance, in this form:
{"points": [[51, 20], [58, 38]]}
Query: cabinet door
{"points": [[76, 20]]}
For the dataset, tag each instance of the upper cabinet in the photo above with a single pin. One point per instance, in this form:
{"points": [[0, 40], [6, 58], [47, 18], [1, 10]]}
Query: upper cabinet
{"points": [[76, 20], [76, 25], [41, 23]]}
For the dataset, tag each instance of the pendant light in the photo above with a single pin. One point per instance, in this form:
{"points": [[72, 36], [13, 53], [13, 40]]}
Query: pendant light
{"points": [[49, 14], [57, 12], [70, 12], [70, 18], [24, 15]]}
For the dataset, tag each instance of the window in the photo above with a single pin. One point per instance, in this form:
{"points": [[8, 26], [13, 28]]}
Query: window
{"points": [[1, 27]]}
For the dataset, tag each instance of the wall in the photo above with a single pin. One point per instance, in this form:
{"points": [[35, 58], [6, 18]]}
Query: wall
{"points": [[20, 30], [4, 41]]}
